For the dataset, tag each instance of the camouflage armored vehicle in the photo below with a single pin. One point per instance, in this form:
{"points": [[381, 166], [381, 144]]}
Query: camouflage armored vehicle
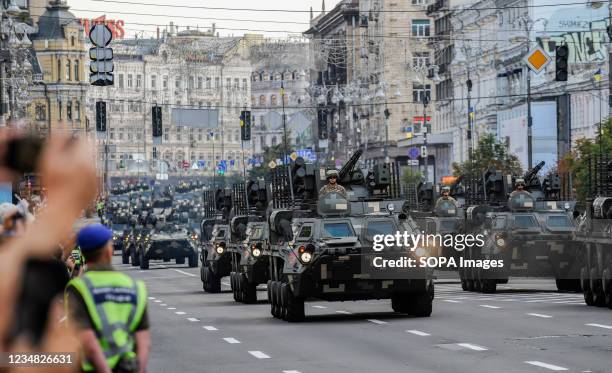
{"points": [[328, 251], [530, 230], [166, 241], [594, 232], [215, 238]]}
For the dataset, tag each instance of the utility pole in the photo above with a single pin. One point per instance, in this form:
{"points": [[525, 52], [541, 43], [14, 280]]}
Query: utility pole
{"points": [[246, 194], [529, 123], [286, 155], [425, 130], [469, 118]]}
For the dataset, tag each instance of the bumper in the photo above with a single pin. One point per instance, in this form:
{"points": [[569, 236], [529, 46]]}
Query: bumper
{"points": [[169, 249]]}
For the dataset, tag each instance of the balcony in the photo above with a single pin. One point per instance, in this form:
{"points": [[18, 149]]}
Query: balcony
{"points": [[436, 7]]}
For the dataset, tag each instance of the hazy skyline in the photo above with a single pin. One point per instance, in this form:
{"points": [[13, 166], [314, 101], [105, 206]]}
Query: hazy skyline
{"points": [[143, 18]]}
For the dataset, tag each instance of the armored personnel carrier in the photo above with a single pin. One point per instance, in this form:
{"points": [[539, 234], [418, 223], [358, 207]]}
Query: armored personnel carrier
{"points": [[215, 237], [526, 233], [594, 232], [323, 244]]}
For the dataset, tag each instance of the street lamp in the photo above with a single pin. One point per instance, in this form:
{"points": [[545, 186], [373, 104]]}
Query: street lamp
{"points": [[425, 131]]}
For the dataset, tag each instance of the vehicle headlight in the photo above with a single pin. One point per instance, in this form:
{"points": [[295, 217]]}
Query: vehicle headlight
{"points": [[421, 251], [220, 249], [256, 252], [305, 257], [115, 238], [391, 207], [499, 241], [305, 253]]}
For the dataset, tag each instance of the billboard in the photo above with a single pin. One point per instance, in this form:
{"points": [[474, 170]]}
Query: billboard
{"points": [[196, 118]]}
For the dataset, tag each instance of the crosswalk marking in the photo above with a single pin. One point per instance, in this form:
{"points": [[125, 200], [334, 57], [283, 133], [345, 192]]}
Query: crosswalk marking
{"points": [[379, 322], [210, 328], [259, 354], [231, 340], [418, 332], [472, 346], [600, 326], [539, 315], [546, 365]]}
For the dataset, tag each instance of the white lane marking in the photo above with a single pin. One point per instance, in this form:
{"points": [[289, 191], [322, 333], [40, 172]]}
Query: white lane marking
{"points": [[231, 340], [418, 332], [151, 298], [539, 315], [291, 371], [210, 328], [600, 326], [183, 272], [158, 301], [320, 307], [163, 305], [451, 301], [379, 322], [192, 319], [179, 312], [344, 312], [171, 308], [487, 306], [546, 365], [226, 283], [259, 354], [472, 346]]}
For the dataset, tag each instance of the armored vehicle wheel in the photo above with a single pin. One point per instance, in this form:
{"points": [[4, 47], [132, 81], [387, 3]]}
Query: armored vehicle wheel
{"points": [[293, 308], [477, 282], [233, 286], [283, 301], [606, 283], [180, 260], [144, 262], [274, 306], [212, 284], [125, 259], [134, 257], [193, 260], [470, 284], [400, 302], [464, 284], [489, 286], [420, 305], [568, 284], [268, 288], [599, 298], [248, 289]]}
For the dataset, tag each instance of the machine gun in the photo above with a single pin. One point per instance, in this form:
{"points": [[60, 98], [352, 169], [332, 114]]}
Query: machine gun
{"points": [[496, 186], [531, 177], [347, 172]]}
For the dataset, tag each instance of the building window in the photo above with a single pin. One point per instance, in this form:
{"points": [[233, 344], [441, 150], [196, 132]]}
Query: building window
{"points": [[420, 59], [120, 80], [273, 140], [420, 27], [130, 81], [418, 2], [72, 41], [77, 75], [273, 101], [228, 83], [138, 81], [191, 82], [69, 110], [59, 110], [78, 111], [153, 81], [177, 84], [419, 91], [59, 70], [200, 82], [244, 84], [217, 83], [262, 100], [41, 112], [165, 82], [208, 82], [68, 70], [236, 84]]}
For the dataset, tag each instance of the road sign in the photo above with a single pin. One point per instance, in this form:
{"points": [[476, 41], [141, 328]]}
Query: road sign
{"points": [[413, 162], [423, 151], [413, 153], [272, 164], [100, 35], [537, 59], [293, 156]]}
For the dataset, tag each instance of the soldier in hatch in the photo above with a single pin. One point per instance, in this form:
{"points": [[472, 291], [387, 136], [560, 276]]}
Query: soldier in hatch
{"points": [[332, 185]]}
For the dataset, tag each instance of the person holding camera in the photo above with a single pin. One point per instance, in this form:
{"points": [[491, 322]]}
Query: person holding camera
{"points": [[109, 308]]}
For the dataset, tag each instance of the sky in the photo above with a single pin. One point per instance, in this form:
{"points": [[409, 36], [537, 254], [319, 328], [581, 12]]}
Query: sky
{"points": [[143, 18]]}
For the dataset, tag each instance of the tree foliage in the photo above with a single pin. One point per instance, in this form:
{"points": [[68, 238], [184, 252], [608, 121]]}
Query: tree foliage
{"points": [[577, 161], [489, 153]]}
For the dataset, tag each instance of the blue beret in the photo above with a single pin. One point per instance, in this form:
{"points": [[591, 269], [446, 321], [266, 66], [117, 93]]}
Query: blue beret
{"points": [[93, 237]]}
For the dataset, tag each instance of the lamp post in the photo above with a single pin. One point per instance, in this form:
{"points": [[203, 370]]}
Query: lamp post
{"points": [[425, 131]]}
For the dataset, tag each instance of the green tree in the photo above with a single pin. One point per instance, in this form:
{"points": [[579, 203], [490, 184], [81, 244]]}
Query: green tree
{"points": [[489, 153], [271, 153], [577, 161], [410, 176]]}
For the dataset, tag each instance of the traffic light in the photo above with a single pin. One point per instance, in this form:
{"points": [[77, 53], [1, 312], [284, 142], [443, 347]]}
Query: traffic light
{"points": [[156, 118], [561, 65], [101, 116], [101, 66], [322, 121], [245, 125]]}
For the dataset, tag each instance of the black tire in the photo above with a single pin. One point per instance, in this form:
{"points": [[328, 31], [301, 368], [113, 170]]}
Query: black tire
{"points": [[293, 308], [233, 286], [180, 260], [421, 305], [144, 261], [249, 290], [193, 260], [489, 286], [211, 284], [273, 305], [400, 302], [269, 289], [125, 258], [134, 257], [599, 298]]}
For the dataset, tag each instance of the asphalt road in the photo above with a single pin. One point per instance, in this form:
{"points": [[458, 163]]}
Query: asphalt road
{"points": [[526, 327]]}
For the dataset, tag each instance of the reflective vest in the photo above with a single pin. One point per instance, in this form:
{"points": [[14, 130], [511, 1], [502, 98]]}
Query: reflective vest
{"points": [[115, 304]]}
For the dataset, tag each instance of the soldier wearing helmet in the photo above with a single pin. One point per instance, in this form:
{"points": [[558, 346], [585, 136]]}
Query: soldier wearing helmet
{"points": [[519, 186], [332, 184], [445, 195]]}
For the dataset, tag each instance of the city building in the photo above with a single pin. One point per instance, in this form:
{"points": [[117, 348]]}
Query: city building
{"points": [[200, 80]]}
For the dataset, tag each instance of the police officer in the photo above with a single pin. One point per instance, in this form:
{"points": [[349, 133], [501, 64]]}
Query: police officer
{"points": [[332, 184], [445, 195], [100, 208], [108, 308]]}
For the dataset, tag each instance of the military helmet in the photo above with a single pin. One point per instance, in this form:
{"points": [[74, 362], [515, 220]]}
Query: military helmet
{"points": [[519, 182], [445, 189], [331, 173]]}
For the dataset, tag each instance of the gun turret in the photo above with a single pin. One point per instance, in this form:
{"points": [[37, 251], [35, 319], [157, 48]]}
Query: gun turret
{"points": [[346, 170], [531, 176]]}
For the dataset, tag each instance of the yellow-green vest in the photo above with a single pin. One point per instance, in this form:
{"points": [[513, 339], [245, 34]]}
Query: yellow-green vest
{"points": [[115, 303]]}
